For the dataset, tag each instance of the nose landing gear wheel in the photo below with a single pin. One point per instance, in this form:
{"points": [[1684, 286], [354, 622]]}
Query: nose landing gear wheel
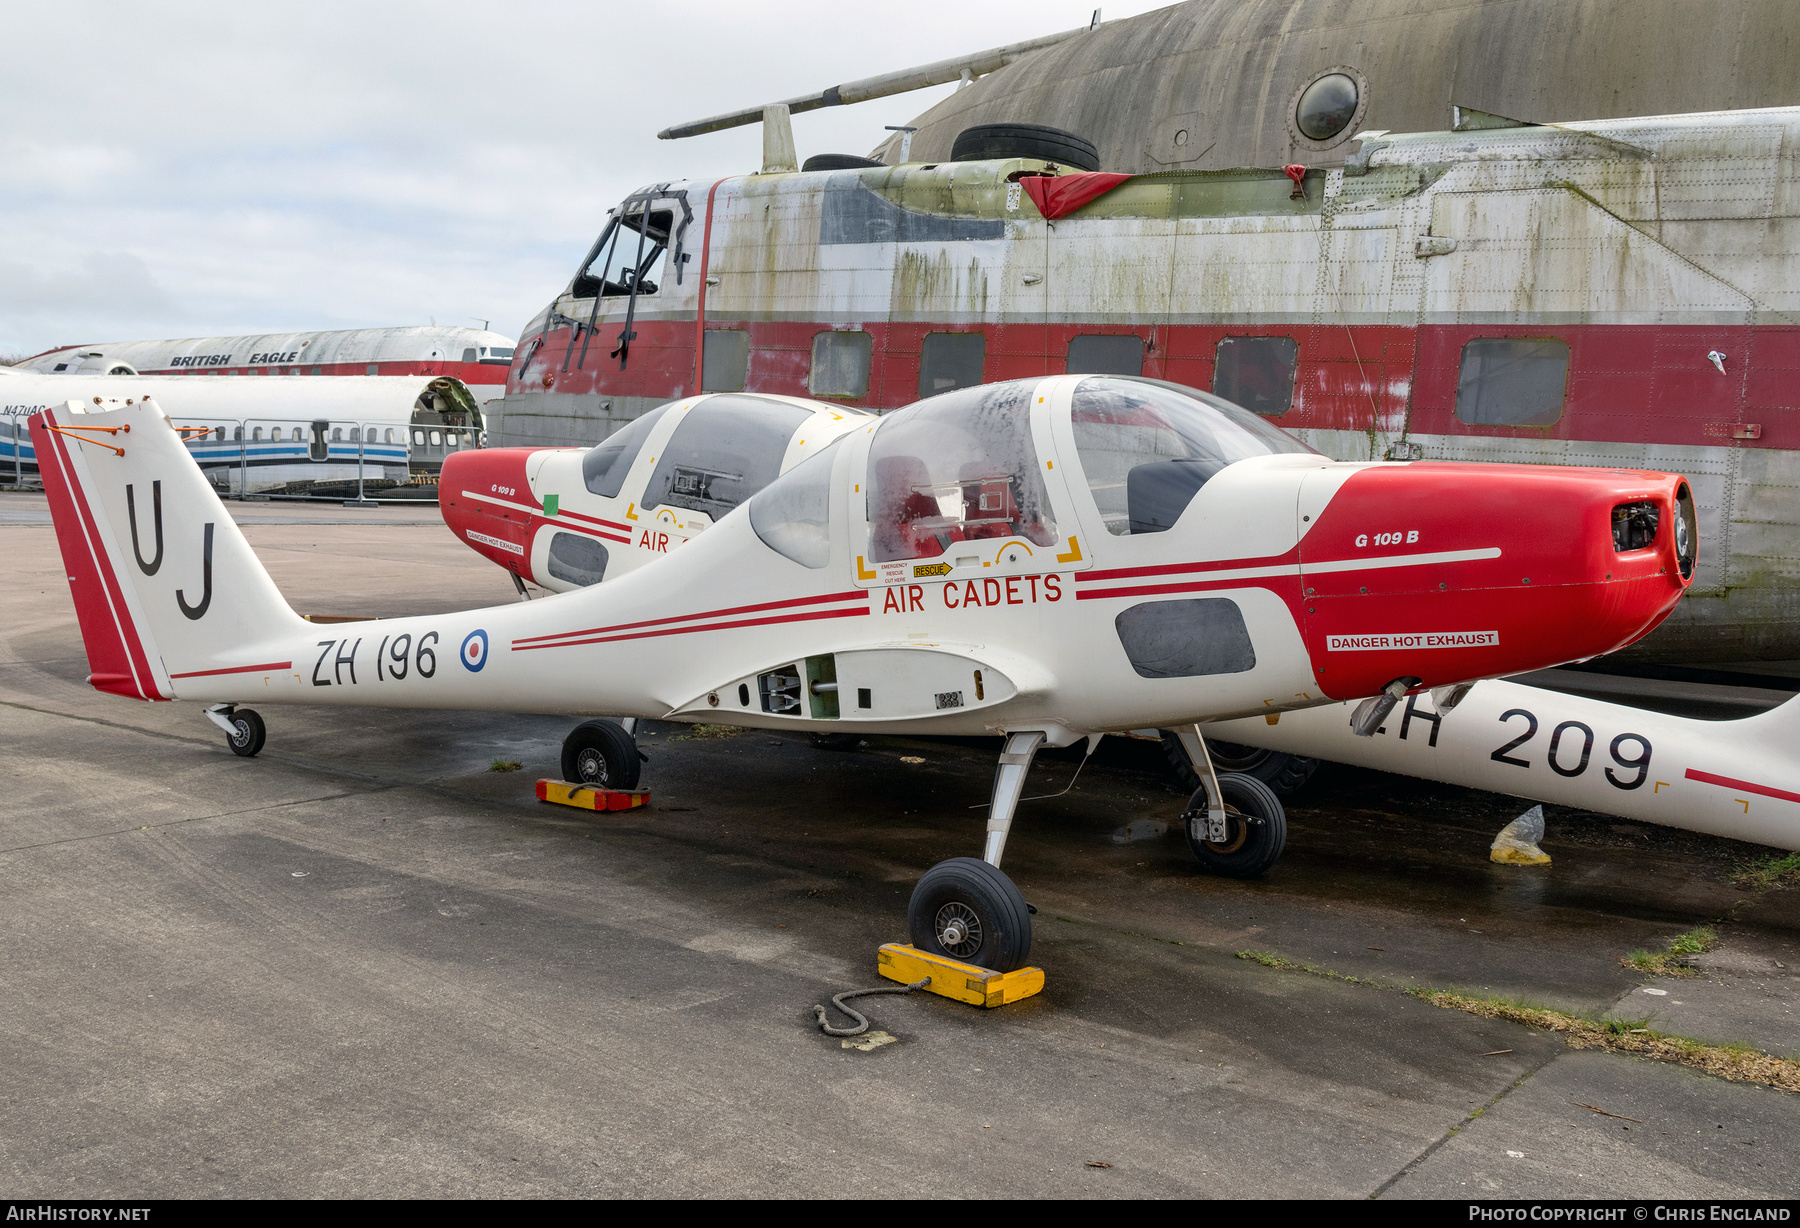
{"points": [[247, 733], [968, 910], [600, 753], [1255, 827]]}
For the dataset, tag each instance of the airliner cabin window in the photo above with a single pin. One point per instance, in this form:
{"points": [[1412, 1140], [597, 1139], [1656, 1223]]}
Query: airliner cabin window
{"points": [[1512, 381], [950, 360], [1147, 447], [957, 468], [1094, 355], [727, 360], [606, 464], [725, 450], [628, 256], [1257, 373], [840, 365]]}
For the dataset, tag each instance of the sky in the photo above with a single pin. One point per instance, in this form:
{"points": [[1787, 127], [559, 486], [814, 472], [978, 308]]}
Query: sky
{"points": [[189, 169]]}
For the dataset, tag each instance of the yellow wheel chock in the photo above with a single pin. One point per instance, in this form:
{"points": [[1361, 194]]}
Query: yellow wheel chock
{"points": [[590, 796], [952, 978]]}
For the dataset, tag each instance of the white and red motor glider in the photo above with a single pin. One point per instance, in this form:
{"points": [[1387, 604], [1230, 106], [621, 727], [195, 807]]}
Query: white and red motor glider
{"points": [[1045, 559], [565, 518]]}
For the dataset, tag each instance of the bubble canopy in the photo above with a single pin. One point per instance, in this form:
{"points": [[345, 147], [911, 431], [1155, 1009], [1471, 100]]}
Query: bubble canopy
{"points": [[966, 467]]}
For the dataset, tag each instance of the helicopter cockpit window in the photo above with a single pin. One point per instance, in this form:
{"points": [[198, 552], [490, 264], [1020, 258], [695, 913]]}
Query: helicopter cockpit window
{"points": [[606, 464], [792, 516], [959, 467], [1147, 447], [629, 255], [724, 451]]}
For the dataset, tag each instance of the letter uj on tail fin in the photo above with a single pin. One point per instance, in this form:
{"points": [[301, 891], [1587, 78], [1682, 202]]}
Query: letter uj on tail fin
{"points": [[165, 586]]}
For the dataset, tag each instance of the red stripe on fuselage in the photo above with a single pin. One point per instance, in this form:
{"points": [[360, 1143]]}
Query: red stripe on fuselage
{"points": [[1708, 778], [270, 667], [854, 594], [808, 616], [611, 524]]}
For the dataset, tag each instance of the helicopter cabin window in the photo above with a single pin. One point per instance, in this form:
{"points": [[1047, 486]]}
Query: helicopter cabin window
{"points": [[1512, 381], [628, 256], [1093, 355], [957, 468], [1257, 373], [577, 559], [792, 515], [725, 450], [1147, 447], [950, 360], [604, 467], [726, 364], [840, 365]]}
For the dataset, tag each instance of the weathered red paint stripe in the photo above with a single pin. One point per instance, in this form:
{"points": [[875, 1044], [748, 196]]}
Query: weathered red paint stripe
{"points": [[1192, 586], [852, 595], [269, 667], [700, 306], [808, 616], [1708, 778]]}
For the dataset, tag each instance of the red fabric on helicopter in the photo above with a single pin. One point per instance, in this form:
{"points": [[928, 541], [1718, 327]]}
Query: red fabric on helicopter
{"points": [[1057, 195]]}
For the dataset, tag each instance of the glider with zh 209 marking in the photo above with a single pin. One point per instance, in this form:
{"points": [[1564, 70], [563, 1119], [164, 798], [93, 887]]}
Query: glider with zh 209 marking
{"points": [[1045, 559]]}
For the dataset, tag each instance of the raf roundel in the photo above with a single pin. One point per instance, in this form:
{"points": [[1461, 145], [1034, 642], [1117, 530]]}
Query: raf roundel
{"points": [[475, 651]]}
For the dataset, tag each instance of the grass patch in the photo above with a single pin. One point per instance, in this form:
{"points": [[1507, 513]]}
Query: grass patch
{"points": [[1674, 960], [505, 765], [1769, 871], [707, 731], [1738, 1063]]}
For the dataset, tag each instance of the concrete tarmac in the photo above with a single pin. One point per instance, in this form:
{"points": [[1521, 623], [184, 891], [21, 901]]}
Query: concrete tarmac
{"points": [[364, 965]]}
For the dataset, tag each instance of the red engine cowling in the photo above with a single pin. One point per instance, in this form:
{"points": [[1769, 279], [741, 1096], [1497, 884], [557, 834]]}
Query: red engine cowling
{"points": [[486, 500], [1440, 573]]}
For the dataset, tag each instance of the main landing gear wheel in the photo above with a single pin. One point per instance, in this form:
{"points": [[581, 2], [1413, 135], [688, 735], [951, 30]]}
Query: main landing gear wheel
{"points": [[600, 753], [1282, 772], [1255, 827], [968, 910], [247, 733]]}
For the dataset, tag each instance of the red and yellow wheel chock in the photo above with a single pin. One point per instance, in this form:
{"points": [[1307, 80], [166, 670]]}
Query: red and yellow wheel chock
{"points": [[590, 796]]}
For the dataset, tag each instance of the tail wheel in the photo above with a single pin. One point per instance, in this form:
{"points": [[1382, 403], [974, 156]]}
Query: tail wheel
{"points": [[600, 753], [1282, 772], [247, 733], [1255, 827], [969, 910]]}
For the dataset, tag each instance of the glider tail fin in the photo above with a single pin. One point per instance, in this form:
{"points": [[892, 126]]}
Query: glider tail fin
{"points": [[165, 586]]}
